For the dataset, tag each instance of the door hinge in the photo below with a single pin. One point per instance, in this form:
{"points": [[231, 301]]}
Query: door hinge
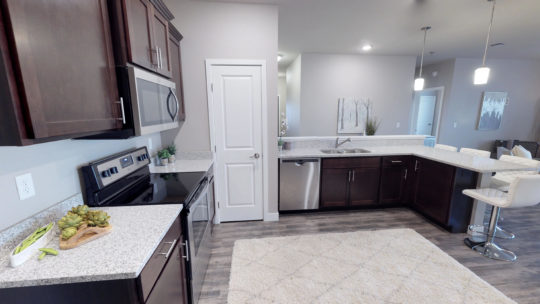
{"points": [[218, 205], [211, 87], [215, 149]]}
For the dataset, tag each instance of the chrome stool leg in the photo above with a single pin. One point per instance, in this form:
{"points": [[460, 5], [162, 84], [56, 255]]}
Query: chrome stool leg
{"points": [[489, 248], [499, 232]]}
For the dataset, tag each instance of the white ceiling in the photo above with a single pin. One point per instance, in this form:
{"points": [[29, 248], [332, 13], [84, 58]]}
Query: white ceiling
{"points": [[459, 27]]}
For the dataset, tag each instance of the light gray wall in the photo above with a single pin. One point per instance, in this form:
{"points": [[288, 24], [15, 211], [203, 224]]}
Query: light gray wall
{"points": [[54, 168], [520, 78], [385, 80], [294, 79], [214, 30]]}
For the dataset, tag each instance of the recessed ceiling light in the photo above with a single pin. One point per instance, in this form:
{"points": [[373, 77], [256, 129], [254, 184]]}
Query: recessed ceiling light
{"points": [[366, 47], [279, 57]]}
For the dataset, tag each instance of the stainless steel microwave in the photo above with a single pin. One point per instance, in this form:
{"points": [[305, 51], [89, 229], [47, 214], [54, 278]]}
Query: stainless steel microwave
{"points": [[153, 101]]}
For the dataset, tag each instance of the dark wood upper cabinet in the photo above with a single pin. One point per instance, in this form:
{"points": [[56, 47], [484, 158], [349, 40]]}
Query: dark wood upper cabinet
{"points": [[139, 18], [395, 174], [61, 63], [176, 68], [147, 34], [161, 41]]}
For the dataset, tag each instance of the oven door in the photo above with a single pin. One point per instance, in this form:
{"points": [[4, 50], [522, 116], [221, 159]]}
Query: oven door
{"points": [[198, 221], [154, 102]]}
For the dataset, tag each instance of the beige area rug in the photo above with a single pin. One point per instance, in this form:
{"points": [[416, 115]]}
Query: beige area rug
{"points": [[384, 266]]}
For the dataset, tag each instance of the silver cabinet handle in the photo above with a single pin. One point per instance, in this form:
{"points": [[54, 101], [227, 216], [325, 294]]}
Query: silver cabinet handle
{"points": [[160, 59], [121, 102], [186, 244], [349, 173], [405, 177], [353, 175], [396, 162], [156, 51], [255, 156], [416, 166], [166, 254]]}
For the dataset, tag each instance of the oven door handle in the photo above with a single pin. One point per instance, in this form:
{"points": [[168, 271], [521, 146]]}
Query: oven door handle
{"points": [[186, 245]]}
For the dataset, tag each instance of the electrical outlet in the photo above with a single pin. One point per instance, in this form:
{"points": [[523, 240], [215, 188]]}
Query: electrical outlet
{"points": [[455, 124], [398, 125], [25, 185]]}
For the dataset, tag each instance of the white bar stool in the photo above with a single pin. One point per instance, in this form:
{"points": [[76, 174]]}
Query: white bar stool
{"points": [[502, 180], [524, 191], [475, 152], [446, 147]]}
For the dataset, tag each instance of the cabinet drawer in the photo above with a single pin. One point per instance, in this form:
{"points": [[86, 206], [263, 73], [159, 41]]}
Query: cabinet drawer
{"points": [[157, 261], [352, 162], [393, 161]]}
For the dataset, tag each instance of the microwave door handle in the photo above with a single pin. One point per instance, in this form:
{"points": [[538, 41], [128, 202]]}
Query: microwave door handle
{"points": [[177, 103], [169, 106]]}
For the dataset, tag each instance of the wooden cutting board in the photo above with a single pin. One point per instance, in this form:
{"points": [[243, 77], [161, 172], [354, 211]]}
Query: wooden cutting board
{"points": [[83, 236]]}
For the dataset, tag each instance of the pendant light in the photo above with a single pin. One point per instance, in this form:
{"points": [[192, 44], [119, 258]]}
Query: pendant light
{"points": [[419, 82], [481, 74]]}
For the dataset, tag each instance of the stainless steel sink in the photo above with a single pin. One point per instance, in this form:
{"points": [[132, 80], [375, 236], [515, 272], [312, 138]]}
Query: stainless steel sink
{"points": [[344, 151]]}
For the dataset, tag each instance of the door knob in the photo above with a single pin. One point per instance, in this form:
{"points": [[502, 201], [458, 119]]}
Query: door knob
{"points": [[255, 156]]}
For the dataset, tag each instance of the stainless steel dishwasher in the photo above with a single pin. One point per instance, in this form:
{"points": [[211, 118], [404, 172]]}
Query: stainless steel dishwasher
{"points": [[299, 184]]}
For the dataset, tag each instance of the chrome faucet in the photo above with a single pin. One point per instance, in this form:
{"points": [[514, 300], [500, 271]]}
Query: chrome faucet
{"points": [[341, 143]]}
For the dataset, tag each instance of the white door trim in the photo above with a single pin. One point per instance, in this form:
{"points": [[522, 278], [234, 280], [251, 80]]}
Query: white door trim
{"points": [[267, 216], [438, 115]]}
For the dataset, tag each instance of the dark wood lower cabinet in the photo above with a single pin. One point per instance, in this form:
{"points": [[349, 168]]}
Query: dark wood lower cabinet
{"points": [[429, 187], [334, 188], [394, 180], [364, 186], [437, 193], [162, 280], [350, 182]]}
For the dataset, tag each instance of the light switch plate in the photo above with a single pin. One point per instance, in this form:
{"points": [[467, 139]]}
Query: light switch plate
{"points": [[25, 185]]}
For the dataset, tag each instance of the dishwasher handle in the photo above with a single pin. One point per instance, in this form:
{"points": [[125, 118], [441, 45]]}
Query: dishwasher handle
{"points": [[300, 162]]}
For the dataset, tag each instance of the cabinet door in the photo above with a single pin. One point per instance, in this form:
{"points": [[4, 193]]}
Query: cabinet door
{"points": [[176, 74], [65, 66], [141, 50], [433, 189], [394, 180], [364, 187], [334, 187], [168, 288], [160, 28]]}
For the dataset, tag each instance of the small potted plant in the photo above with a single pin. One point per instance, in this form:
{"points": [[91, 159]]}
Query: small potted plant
{"points": [[164, 156], [372, 124], [172, 152], [280, 144]]}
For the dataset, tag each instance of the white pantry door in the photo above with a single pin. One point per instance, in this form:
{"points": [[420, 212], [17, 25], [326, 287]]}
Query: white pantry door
{"points": [[237, 116]]}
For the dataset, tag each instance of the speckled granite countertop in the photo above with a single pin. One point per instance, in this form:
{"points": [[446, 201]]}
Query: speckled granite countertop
{"points": [[184, 165], [121, 254], [473, 163]]}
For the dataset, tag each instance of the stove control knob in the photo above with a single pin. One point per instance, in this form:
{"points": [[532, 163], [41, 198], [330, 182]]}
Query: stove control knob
{"points": [[146, 156], [106, 173], [113, 170], [140, 158]]}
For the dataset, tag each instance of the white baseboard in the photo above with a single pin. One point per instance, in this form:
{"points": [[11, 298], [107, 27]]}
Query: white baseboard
{"points": [[271, 217]]}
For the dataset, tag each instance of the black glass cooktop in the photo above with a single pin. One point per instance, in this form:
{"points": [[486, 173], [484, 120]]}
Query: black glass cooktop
{"points": [[165, 188]]}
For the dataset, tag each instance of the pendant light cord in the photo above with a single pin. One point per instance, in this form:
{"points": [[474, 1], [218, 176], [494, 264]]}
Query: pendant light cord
{"points": [[489, 33], [426, 28]]}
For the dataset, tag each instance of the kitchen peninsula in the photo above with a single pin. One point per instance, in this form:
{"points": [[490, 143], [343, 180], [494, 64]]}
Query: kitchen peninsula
{"points": [[389, 171]]}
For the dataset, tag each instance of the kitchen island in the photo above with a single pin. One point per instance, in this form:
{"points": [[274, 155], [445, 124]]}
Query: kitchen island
{"points": [[426, 179]]}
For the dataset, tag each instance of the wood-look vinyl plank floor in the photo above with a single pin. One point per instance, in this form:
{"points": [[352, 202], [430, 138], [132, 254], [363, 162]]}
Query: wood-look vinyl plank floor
{"points": [[519, 280]]}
